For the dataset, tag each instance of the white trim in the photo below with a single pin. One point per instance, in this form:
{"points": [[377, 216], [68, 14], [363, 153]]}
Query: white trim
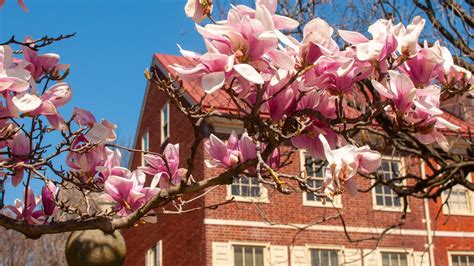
{"points": [[470, 201], [374, 196], [145, 141], [427, 218], [332, 228], [162, 123], [150, 258], [263, 198], [337, 201], [457, 253]]}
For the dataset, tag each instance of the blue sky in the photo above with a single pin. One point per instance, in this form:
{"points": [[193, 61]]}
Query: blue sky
{"points": [[114, 44]]}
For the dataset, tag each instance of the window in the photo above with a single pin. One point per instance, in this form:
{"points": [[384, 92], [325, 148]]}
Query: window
{"points": [[165, 122], [248, 189], [394, 259], [145, 145], [324, 257], [462, 260], [244, 186], [459, 200], [315, 179], [248, 255], [384, 195], [154, 256]]}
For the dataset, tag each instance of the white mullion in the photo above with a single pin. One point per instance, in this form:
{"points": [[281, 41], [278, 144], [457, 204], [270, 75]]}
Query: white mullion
{"points": [[254, 256]]}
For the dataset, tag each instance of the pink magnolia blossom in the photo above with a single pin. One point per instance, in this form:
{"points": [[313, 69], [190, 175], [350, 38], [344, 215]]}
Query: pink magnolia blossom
{"points": [[247, 148], [40, 64], [337, 74], [102, 132], [407, 37], [83, 117], [323, 103], [422, 68], [449, 73], [279, 22], [401, 90], [56, 96], [85, 160], [281, 100], [225, 155], [128, 192], [382, 45], [48, 198], [20, 150], [26, 212], [13, 76], [344, 162], [165, 173], [111, 165], [427, 117], [198, 9], [212, 70]]}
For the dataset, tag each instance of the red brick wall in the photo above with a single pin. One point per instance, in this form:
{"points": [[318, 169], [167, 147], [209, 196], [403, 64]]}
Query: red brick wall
{"points": [[357, 211], [182, 235], [444, 244], [290, 237]]}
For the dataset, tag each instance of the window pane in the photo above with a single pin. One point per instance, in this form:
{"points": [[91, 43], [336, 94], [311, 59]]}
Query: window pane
{"points": [[325, 257], [315, 260], [334, 258], [379, 200], [258, 256], [248, 256], [388, 201], [385, 259], [238, 261], [320, 257], [394, 259], [245, 186]]}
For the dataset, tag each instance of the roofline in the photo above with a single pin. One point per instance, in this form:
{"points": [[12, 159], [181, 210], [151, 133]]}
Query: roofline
{"points": [[163, 70], [139, 122]]}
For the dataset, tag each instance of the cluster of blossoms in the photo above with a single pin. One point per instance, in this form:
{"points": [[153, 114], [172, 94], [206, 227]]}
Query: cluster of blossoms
{"points": [[250, 54], [87, 141], [235, 150]]}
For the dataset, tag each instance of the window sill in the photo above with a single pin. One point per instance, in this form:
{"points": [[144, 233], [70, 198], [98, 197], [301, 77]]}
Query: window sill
{"points": [[308, 203], [457, 213], [389, 209], [248, 199]]}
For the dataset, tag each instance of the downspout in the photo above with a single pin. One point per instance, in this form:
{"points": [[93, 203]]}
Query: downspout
{"points": [[427, 219]]}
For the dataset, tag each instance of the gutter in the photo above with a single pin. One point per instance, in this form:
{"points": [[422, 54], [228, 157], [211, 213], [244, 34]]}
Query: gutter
{"points": [[427, 220]]}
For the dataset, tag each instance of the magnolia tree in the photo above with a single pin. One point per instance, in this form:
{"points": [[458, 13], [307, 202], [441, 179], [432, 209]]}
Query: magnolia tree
{"points": [[345, 105]]}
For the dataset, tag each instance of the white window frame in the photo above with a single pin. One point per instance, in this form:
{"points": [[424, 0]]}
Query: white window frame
{"points": [[264, 245], [164, 135], [408, 251], [338, 248], [402, 170], [470, 201], [158, 248], [458, 253], [336, 202], [263, 198], [144, 141]]}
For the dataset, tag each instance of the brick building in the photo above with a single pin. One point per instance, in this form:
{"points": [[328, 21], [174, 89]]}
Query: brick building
{"points": [[263, 226]]}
